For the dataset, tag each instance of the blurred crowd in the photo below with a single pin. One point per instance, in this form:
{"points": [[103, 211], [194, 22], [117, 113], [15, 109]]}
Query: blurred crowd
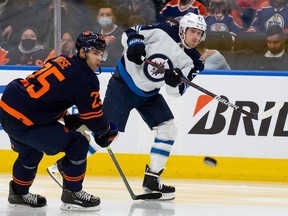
{"points": [[238, 29]]}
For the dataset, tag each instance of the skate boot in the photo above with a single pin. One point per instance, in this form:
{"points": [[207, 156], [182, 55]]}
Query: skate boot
{"points": [[30, 200], [79, 201], [151, 183]]}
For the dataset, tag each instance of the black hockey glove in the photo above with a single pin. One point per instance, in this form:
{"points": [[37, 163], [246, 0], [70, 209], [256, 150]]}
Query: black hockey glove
{"points": [[172, 77], [136, 48], [72, 122], [106, 139]]}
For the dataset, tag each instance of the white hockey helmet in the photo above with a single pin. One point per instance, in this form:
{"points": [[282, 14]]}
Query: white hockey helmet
{"points": [[191, 20]]}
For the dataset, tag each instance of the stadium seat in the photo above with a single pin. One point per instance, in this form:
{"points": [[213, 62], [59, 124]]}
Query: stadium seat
{"points": [[221, 41], [255, 41]]}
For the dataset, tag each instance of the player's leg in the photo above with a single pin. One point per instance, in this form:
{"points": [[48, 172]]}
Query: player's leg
{"points": [[73, 167], [25, 166], [24, 172], [159, 118], [118, 102]]}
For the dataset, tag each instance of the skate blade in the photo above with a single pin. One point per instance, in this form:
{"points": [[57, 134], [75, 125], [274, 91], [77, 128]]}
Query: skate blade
{"points": [[55, 175], [20, 207], [71, 207]]}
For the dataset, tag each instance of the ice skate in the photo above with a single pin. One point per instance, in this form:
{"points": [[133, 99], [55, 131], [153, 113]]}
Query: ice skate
{"points": [[55, 172], [79, 201], [151, 183], [27, 200]]}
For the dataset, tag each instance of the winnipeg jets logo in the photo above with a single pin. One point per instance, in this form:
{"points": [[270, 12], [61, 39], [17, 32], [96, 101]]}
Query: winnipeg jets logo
{"points": [[152, 72], [155, 71]]}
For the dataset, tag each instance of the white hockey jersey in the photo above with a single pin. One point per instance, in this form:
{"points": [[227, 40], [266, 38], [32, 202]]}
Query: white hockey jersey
{"points": [[162, 47]]}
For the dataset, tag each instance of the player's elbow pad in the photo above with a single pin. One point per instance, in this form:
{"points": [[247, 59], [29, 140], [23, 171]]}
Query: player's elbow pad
{"points": [[106, 139]]}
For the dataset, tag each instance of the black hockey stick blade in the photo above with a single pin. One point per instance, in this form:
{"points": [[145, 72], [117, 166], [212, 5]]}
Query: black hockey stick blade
{"points": [[147, 196], [256, 116]]}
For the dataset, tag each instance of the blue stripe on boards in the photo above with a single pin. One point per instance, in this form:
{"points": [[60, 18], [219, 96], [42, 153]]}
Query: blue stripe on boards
{"points": [[244, 73], [2, 88], [205, 72]]}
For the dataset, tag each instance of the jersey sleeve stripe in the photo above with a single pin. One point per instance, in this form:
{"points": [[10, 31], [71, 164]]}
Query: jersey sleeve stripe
{"points": [[90, 113], [16, 114], [91, 116]]}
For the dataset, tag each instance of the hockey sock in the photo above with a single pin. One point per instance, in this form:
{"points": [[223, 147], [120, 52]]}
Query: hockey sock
{"points": [[73, 174], [23, 177], [159, 154]]}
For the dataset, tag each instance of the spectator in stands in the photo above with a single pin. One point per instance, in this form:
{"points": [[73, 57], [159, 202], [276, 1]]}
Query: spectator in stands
{"points": [[137, 20], [68, 39], [174, 10], [45, 16], [213, 59], [3, 56], [159, 4], [144, 8], [276, 57], [234, 11], [219, 18], [106, 24], [273, 14], [10, 21], [248, 9], [29, 51]]}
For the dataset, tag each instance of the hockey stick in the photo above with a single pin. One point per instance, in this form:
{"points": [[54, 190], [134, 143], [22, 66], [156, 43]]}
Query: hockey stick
{"points": [[133, 196], [257, 116]]}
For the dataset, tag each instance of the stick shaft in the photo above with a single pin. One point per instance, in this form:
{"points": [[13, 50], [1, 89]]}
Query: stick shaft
{"points": [[257, 116], [120, 172]]}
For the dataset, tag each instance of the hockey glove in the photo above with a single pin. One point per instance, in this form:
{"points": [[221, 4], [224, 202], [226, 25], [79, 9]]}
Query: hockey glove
{"points": [[172, 77], [136, 48], [72, 122], [106, 139]]}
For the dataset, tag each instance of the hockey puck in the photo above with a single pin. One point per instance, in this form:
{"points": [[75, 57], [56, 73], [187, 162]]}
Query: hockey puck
{"points": [[210, 161]]}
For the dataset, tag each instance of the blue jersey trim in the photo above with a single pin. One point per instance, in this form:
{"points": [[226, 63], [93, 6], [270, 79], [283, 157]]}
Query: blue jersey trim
{"points": [[128, 80]]}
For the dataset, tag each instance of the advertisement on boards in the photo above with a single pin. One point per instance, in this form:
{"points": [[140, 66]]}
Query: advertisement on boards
{"points": [[206, 127]]}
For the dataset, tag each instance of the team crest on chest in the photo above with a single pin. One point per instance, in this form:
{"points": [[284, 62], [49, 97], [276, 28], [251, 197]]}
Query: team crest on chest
{"points": [[151, 72], [276, 19]]}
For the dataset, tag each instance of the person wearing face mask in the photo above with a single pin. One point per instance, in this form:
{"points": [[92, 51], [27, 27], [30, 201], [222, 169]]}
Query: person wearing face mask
{"points": [[29, 51], [106, 24]]}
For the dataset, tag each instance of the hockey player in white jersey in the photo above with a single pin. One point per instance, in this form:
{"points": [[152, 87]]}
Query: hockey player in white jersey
{"points": [[136, 84]]}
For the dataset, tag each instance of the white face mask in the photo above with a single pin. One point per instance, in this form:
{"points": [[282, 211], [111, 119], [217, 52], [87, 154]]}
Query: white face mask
{"points": [[105, 22]]}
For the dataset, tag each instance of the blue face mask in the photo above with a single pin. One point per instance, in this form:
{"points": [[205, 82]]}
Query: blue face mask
{"points": [[105, 22]]}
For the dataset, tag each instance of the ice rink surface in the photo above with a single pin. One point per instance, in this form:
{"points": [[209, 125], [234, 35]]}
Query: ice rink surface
{"points": [[193, 198]]}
